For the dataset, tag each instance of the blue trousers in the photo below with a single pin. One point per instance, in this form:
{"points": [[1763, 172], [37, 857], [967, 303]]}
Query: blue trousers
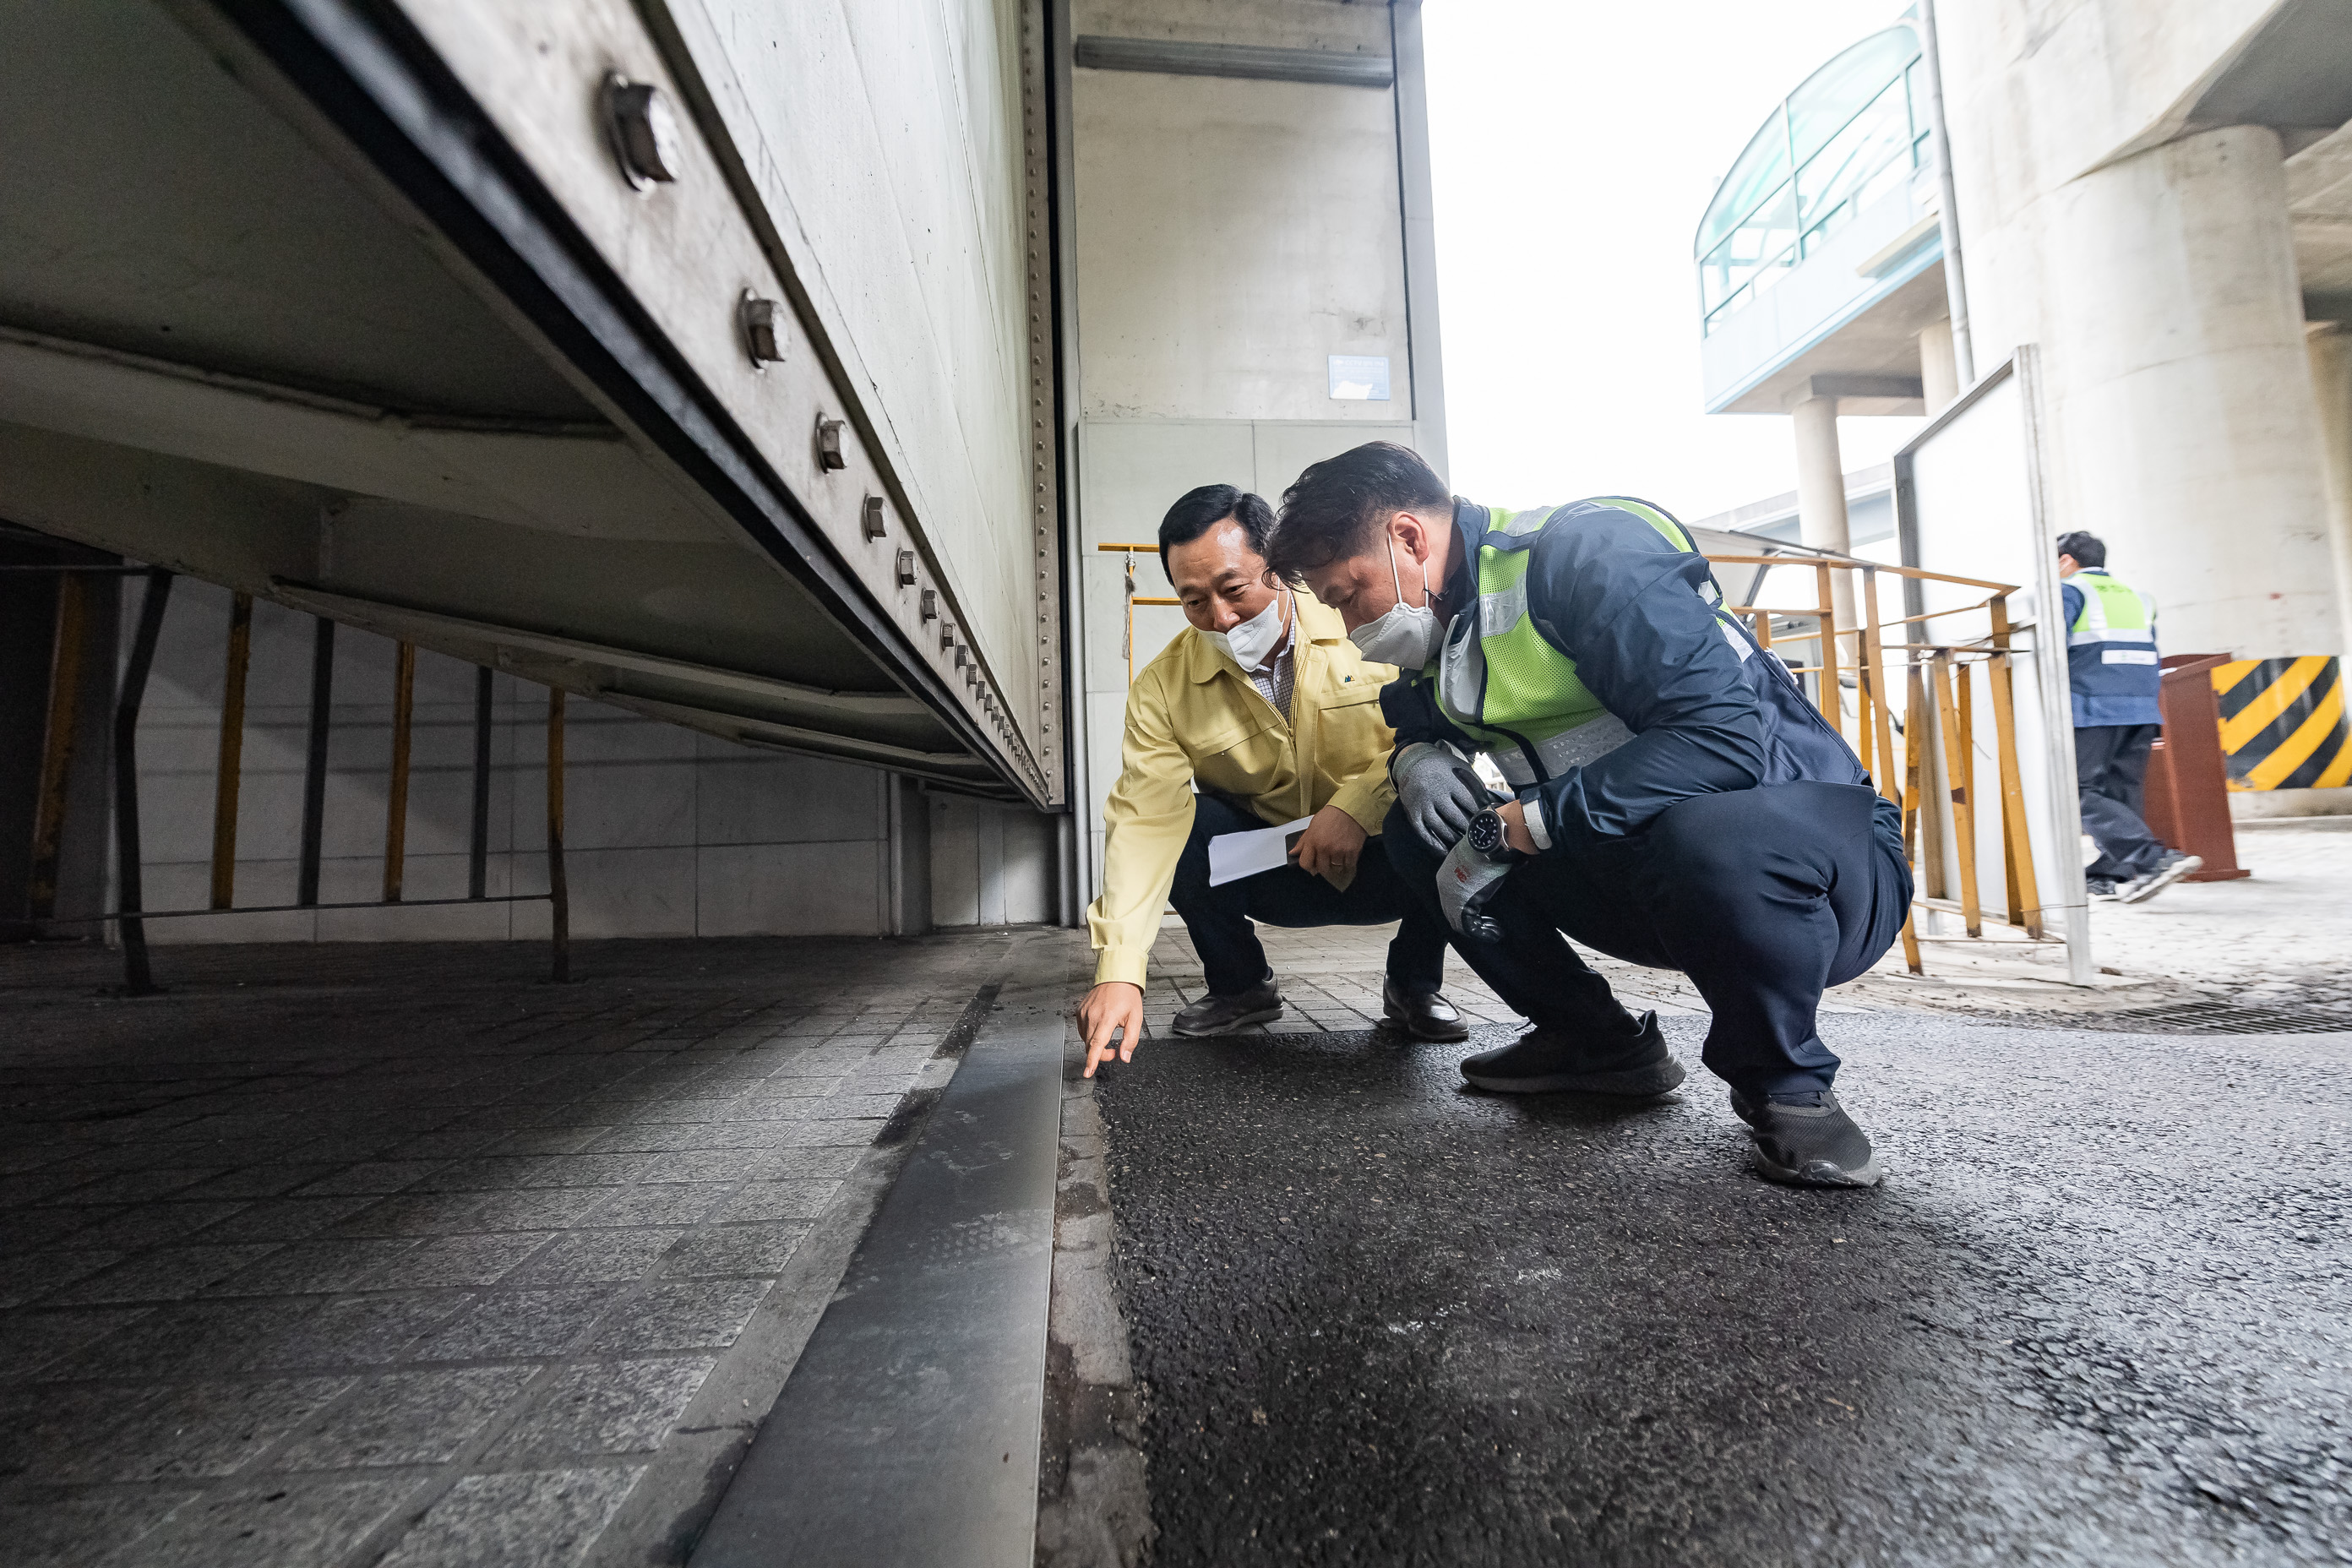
{"points": [[2111, 772], [1763, 896], [1231, 957]]}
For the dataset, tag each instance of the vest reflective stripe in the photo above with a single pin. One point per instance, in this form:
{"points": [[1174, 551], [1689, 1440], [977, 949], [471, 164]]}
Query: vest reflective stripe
{"points": [[1506, 685], [1505, 608]]}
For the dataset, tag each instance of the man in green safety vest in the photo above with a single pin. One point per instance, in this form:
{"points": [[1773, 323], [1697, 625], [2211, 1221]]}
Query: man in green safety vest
{"points": [[1676, 801], [2113, 669]]}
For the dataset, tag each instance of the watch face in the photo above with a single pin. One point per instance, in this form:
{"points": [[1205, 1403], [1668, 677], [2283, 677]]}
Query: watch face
{"points": [[1486, 831]]}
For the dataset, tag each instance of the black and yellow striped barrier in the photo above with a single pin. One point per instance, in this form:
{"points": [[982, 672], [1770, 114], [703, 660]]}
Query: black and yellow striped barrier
{"points": [[2283, 723]]}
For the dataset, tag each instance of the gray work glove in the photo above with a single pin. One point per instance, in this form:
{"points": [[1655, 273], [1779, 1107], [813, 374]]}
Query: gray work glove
{"points": [[1466, 883], [1438, 791]]}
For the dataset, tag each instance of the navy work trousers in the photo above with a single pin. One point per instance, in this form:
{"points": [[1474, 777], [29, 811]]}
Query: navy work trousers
{"points": [[1218, 919], [1763, 896], [2111, 772]]}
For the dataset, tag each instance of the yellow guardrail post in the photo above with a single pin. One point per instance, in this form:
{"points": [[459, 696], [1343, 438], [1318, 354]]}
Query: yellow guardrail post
{"points": [[1127, 631]]}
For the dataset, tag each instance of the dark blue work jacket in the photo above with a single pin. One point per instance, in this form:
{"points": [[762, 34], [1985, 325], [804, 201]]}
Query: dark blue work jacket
{"points": [[2112, 668], [1710, 712]]}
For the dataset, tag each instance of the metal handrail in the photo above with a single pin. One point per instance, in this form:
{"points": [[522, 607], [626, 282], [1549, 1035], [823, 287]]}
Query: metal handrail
{"points": [[130, 915], [1127, 634]]}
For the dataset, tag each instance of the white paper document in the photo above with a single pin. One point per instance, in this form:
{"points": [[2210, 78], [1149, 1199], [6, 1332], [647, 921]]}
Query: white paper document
{"points": [[1233, 856]]}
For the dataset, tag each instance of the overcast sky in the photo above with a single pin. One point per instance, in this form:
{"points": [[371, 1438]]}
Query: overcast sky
{"points": [[1575, 145]]}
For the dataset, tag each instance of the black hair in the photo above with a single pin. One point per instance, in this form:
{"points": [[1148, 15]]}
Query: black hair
{"points": [[1339, 504], [2085, 548], [1199, 511]]}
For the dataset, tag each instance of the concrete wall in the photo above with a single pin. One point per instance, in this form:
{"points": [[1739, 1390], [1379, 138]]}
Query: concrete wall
{"points": [[990, 865], [1231, 236], [2158, 271], [668, 833]]}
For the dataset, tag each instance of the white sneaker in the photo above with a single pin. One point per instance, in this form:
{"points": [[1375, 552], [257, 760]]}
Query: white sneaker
{"points": [[2139, 889]]}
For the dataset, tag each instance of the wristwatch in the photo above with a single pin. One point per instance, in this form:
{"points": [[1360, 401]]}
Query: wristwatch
{"points": [[1489, 838]]}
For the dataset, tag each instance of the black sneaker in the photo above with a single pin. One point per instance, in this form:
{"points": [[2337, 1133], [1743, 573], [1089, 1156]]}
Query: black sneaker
{"points": [[1261, 1004], [1425, 1017], [2100, 887], [1545, 1061], [1807, 1141], [2174, 866]]}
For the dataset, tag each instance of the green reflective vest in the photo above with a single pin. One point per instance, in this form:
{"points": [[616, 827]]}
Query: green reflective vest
{"points": [[2111, 611], [1506, 685], [2112, 664]]}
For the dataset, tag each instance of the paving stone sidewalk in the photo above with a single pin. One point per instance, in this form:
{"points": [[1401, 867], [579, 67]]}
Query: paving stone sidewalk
{"points": [[340, 1256]]}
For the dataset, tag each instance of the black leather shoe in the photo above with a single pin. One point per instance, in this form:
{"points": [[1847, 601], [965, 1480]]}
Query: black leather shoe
{"points": [[1261, 1004], [1807, 1141], [1545, 1061], [1429, 1016]]}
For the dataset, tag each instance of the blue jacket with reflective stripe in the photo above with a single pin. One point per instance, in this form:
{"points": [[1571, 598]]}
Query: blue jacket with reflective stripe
{"points": [[1709, 711], [2113, 671]]}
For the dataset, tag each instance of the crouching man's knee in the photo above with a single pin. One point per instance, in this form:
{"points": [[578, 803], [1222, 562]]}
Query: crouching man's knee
{"points": [[1415, 862]]}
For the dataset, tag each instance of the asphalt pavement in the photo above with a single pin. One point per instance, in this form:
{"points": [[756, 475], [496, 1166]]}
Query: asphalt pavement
{"points": [[2097, 1313]]}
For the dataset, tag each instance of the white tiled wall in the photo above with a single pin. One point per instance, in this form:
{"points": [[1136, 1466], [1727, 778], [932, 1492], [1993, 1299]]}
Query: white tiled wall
{"points": [[667, 832], [990, 865]]}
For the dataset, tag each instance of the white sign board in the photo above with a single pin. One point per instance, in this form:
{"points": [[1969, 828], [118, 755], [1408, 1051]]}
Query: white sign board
{"points": [[1968, 497], [1362, 378]]}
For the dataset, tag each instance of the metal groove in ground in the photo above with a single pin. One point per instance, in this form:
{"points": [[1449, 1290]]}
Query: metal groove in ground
{"points": [[908, 1431], [2225, 1018]]}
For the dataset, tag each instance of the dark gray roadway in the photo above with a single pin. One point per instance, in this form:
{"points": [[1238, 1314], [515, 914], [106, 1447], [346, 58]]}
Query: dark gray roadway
{"points": [[2097, 1314]]}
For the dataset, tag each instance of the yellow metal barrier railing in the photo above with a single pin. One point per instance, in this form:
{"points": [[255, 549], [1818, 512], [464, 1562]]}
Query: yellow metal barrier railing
{"points": [[1126, 632], [1939, 728]]}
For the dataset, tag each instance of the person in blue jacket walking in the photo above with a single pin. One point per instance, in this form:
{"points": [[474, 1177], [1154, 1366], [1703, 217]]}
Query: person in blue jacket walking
{"points": [[2116, 676], [1677, 802]]}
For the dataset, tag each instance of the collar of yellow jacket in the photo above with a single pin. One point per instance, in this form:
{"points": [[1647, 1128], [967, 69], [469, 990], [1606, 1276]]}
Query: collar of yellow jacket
{"points": [[1317, 621]]}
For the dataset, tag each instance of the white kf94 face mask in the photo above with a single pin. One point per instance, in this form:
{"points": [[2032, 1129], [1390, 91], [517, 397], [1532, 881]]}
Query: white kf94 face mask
{"points": [[1252, 642], [1405, 635]]}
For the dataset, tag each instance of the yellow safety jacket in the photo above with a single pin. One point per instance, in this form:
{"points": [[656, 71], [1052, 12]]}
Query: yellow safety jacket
{"points": [[1193, 715]]}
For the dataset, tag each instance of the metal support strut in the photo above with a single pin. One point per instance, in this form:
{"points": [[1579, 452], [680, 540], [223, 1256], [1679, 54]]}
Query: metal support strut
{"points": [[314, 764], [138, 979], [396, 820], [557, 890], [228, 773], [477, 848]]}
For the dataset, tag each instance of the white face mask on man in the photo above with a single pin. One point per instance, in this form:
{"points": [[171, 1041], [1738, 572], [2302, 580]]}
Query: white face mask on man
{"points": [[1405, 634], [1253, 642]]}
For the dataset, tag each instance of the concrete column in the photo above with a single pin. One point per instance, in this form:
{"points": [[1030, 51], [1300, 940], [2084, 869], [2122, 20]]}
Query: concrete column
{"points": [[1820, 476], [2330, 348], [2186, 426], [1820, 504], [1939, 369]]}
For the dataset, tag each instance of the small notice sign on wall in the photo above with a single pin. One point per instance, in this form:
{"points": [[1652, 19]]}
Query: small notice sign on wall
{"points": [[1361, 378]]}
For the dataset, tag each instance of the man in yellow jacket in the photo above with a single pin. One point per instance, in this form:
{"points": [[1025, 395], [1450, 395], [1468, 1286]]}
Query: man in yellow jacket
{"points": [[1265, 708]]}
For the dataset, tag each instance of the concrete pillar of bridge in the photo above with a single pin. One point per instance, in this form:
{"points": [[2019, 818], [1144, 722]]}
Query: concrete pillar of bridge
{"points": [[1820, 508], [2330, 348], [1939, 366], [2180, 395]]}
